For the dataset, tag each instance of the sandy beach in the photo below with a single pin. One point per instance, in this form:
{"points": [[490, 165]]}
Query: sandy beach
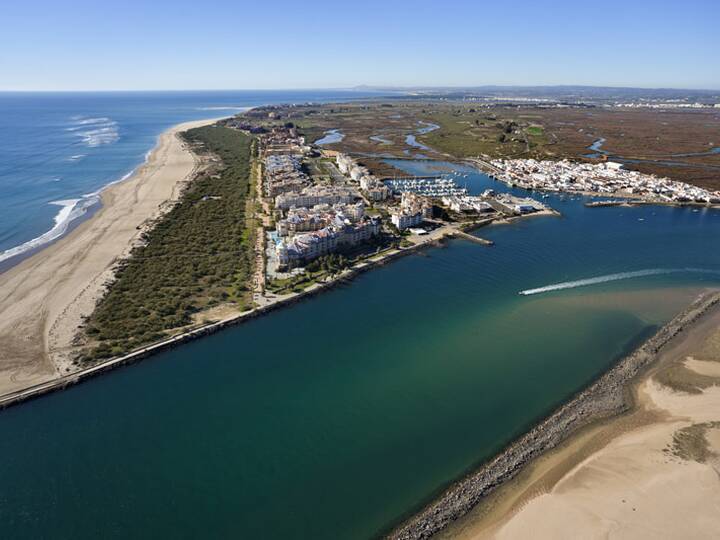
{"points": [[651, 473], [45, 297]]}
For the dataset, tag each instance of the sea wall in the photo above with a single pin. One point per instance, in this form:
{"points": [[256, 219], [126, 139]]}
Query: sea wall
{"points": [[605, 397]]}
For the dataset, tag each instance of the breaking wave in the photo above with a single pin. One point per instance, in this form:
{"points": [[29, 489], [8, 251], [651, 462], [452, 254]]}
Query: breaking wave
{"points": [[70, 210], [615, 277], [83, 121], [226, 108], [95, 131]]}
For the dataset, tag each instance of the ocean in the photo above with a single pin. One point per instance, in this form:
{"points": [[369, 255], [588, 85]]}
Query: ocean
{"points": [[58, 150], [340, 416]]}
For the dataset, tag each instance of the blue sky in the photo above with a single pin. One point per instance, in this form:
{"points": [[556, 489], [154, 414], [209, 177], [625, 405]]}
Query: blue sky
{"points": [[224, 44]]}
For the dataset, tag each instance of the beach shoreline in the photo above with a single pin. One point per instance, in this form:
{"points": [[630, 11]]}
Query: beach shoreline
{"points": [[46, 295], [18, 258]]}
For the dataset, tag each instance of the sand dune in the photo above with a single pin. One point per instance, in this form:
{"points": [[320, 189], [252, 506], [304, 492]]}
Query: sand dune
{"points": [[44, 298]]}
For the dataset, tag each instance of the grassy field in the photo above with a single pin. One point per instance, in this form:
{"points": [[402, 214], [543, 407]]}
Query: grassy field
{"points": [[197, 256], [465, 132], [535, 131]]}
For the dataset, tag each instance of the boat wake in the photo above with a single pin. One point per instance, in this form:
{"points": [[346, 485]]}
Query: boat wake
{"points": [[615, 277]]}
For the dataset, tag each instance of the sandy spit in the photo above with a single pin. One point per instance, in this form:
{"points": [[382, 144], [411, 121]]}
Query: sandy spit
{"points": [[653, 473], [43, 299]]}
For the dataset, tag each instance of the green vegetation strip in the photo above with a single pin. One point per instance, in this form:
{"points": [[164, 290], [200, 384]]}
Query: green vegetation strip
{"points": [[535, 131], [196, 256]]}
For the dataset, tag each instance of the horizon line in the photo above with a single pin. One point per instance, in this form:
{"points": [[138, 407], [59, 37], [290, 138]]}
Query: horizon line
{"points": [[359, 87]]}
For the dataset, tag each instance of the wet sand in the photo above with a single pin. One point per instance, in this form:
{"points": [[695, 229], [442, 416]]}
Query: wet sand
{"points": [[45, 297]]}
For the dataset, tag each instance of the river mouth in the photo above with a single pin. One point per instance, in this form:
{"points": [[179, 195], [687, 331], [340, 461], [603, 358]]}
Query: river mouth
{"points": [[344, 414]]}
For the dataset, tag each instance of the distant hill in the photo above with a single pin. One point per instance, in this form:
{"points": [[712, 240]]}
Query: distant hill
{"points": [[559, 93]]}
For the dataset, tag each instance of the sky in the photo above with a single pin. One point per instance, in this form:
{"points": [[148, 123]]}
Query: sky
{"points": [[281, 44]]}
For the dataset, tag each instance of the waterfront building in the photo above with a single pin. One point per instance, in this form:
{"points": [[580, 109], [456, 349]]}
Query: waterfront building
{"points": [[283, 174], [301, 219], [404, 219], [373, 188], [348, 166], [413, 210], [608, 178], [344, 163], [354, 211], [306, 247], [285, 184], [353, 234], [524, 208], [413, 203], [367, 182], [467, 203], [357, 172], [379, 192], [303, 248], [315, 195], [276, 163]]}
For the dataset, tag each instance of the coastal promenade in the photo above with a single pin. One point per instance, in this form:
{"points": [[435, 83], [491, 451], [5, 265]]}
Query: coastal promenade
{"points": [[45, 297]]}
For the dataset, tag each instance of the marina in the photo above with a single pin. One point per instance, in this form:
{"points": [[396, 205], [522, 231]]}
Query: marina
{"points": [[428, 186]]}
